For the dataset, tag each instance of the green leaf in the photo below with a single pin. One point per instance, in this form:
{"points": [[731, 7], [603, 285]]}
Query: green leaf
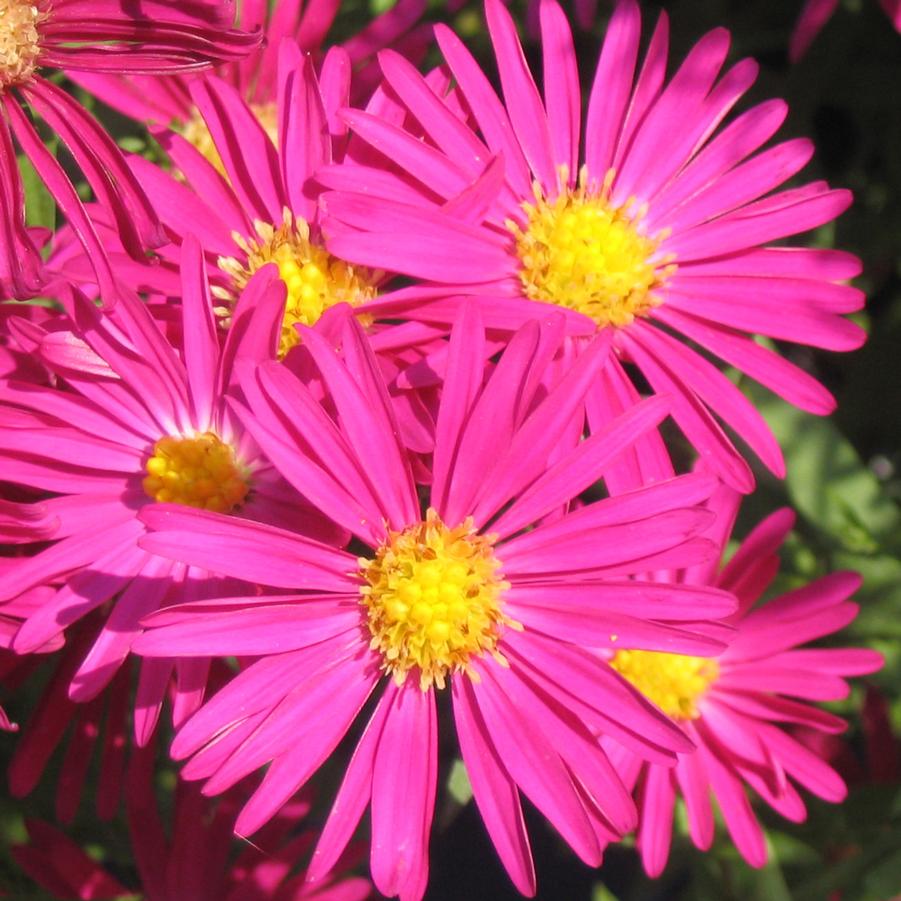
{"points": [[827, 481], [458, 783], [40, 207]]}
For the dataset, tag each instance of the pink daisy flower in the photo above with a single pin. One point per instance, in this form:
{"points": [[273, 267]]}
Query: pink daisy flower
{"points": [[255, 77], [816, 13], [660, 233], [129, 419], [735, 708], [493, 594], [195, 860], [254, 204], [100, 36]]}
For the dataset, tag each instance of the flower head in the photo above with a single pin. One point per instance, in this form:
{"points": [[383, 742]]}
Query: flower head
{"points": [[493, 588], [736, 707], [662, 231]]}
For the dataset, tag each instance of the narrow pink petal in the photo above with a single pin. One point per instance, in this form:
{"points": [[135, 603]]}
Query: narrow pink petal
{"points": [[533, 763], [715, 391], [581, 468], [462, 384], [487, 109], [803, 765], [201, 344], [266, 629], [562, 93], [246, 550], [694, 786], [610, 91], [354, 793], [814, 15], [403, 793], [494, 791], [656, 828], [527, 113]]}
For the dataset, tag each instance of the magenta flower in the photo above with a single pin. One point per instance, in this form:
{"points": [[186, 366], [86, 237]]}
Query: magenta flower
{"points": [[735, 707], [495, 593], [660, 232], [132, 418], [254, 204], [255, 77], [816, 13], [193, 859], [99, 36]]}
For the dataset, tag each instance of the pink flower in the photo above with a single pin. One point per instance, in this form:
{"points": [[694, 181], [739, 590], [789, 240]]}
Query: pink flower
{"points": [[249, 199], [495, 593], [735, 708], [660, 233], [191, 860], [816, 13], [100, 36], [169, 102], [132, 417]]}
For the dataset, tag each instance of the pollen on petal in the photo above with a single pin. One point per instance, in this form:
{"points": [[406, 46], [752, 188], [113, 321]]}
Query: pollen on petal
{"points": [[433, 599], [199, 471]]}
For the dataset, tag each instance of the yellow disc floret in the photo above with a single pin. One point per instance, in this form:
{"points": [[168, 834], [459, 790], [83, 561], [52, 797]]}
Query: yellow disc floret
{"points": [[20, 44], [433, 600], [196, 132], [315, 279], [581, 252], [674, 682], [198, 472]]}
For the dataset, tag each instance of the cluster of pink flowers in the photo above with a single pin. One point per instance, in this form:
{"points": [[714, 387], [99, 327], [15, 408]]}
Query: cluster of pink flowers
{"points": [[346, 441]]}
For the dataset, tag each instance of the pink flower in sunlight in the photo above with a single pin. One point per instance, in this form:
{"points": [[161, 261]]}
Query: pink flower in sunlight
{"points": [[130, 418], [816, 13], [735, 708], [492, 588], [661, 232], [169, 102], [162, 36]]}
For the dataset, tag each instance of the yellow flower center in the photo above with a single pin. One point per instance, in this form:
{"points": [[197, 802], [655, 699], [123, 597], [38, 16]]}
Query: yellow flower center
{"points": [[581, 252], [433, 600], [196, 132], [674, 682], [197, 472], [20, 44], [315, 279]]}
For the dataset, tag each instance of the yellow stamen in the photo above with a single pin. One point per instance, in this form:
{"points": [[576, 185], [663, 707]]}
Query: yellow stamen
{"points": [[674, 682], [582, 252], [198, 472], [433, 600], [196, 132], [20, 44], [315, 279]]}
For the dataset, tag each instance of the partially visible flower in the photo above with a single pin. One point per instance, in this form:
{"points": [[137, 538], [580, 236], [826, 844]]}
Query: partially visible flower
{"points": [[157, 37], [736, 707], [816, 13], [662, 234], [255, 78], [194, 858], [491, 587], [131, 418]]}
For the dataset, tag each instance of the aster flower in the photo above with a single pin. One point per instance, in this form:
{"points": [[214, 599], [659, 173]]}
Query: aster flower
{"points": [[816, 13], [100, 36], [255, 204], [661, 233], [131, 418], [169, 102], [464, 597], [738, 709], [195, 861]]}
